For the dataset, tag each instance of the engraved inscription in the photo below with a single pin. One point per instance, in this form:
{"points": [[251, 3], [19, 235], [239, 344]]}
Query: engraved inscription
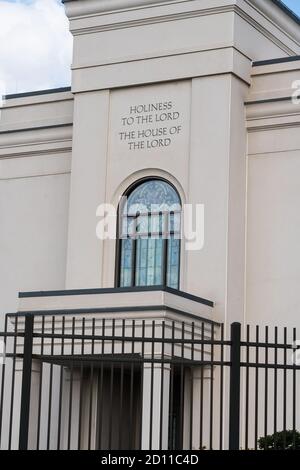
{"points": [[151, 125]]}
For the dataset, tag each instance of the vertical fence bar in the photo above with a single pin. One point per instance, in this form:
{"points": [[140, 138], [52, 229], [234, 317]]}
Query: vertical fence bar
{"points": [[285, 388], [100, 387], [182, 383], [162, 387], [91, 386], [201, 386], [294, 393], [235, 381], [131, 397], [122, 383], [111, 392], [142, 380], [152, 383], [192, 385], [256, 403], [247, 391], [61, 378], [172, 444], [275, 384], [3, 381], [81, 384], [71, 385], [266, 385], [26, 384], [50, 387], [221, 387], [211, 380], [13, 380], [40, 385]]}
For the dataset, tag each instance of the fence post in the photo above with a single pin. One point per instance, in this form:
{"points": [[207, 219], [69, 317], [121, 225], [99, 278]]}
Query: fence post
{"points": [[26, 383], [235, 381]]}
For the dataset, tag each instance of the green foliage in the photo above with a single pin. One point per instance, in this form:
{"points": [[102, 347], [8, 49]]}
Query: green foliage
{"points": [[284, 440]]}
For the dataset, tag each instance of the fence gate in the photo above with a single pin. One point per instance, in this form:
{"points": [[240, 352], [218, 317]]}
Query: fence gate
{"points": [[100, 383]]}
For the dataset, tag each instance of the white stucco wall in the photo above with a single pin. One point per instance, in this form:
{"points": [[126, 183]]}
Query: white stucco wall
{"points": [[197, 54], [33, 236], [35, 161], [273, 225]]}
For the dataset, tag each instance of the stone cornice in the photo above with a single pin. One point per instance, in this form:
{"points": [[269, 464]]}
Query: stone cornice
{"points": [[184, 9], [276, 16], [75, 8], [272, 114], [103, 21], [14, 142], [37, 99], [191, 65], [40, 152], [151, 19], [267, 33]]}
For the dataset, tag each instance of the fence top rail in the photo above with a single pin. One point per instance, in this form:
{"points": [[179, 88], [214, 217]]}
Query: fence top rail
{"points": [[266, 345], [126, 358], [120, 338], [110, 326], [270, 365]]}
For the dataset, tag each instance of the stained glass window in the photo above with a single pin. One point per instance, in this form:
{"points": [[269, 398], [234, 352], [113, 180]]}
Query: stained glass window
{"points": [[150, 227]]}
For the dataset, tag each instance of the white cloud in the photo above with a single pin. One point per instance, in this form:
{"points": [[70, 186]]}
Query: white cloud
{"points": [[35, 45]]}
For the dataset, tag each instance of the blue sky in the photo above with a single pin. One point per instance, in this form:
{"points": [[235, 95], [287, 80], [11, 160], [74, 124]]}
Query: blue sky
{"points": [[36, 46], [293, 5]]}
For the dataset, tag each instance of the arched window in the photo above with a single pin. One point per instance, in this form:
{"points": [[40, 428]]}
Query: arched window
{"points": [[149, 235]]}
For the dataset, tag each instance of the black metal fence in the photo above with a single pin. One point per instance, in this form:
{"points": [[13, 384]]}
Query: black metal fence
{"points": [[101, 383]]}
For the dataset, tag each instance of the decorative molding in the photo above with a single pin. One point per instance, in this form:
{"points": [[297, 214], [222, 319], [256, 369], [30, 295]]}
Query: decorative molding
{"points": [[45, 99], [32, 165], [14, 143], [153, 20], [39, 174], [272, 108], [282, 60], [191, 65], [75, 8], [272, 127], [268, 100], [37, 93], [163, 54], [267, 33], [273, 113], [280, 16], [35, 128], [38, 153]]}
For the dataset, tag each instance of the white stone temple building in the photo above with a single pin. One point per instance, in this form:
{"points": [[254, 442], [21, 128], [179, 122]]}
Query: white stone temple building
{"points": [[176, 103]]}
